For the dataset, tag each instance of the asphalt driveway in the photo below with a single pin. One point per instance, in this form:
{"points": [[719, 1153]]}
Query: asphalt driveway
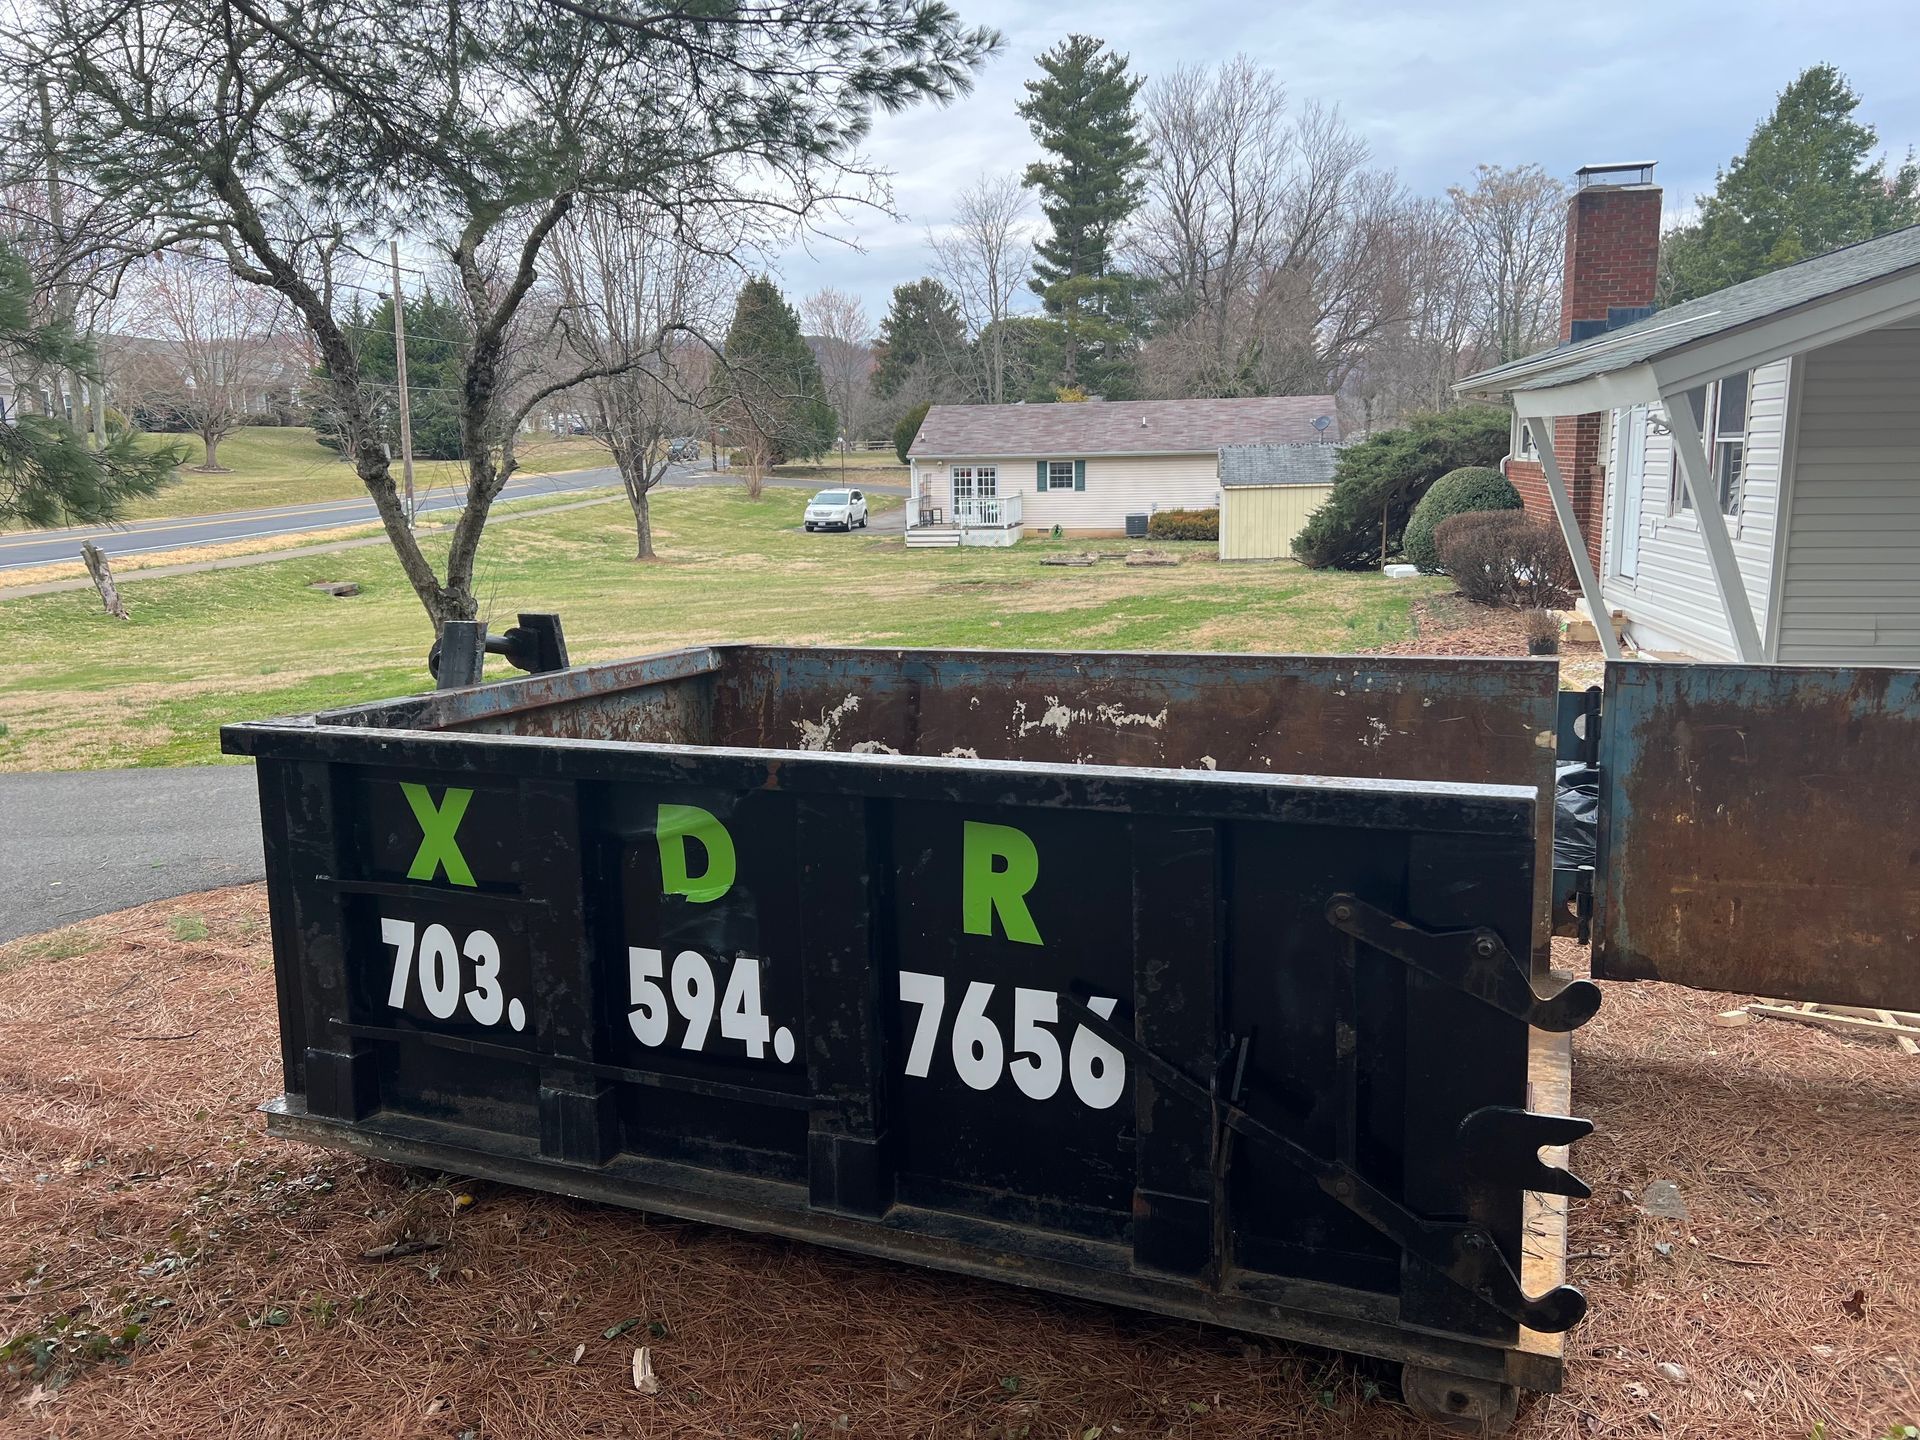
{"points": [[81, 843]]}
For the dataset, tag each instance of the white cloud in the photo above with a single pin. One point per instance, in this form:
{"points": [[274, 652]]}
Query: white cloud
{"points": [[1435, 89]]}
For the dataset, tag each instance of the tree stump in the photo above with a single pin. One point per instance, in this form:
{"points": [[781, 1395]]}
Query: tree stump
{"points": [[103, 579]]}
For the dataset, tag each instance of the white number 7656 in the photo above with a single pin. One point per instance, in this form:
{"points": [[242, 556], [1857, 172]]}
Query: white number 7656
{"points": [[1098, 1072]]}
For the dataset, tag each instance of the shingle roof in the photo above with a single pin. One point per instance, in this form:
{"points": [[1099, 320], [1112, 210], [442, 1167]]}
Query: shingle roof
{"points": [[1113, 427], [1302, 464], [1673, 329]]}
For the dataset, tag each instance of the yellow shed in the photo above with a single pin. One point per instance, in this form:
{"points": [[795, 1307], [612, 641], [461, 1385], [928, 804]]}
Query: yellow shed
{"points": [[1266, 494]]}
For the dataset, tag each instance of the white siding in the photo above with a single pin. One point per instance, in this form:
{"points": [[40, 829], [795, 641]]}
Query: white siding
{"points": [[1117, 486], [1672, 603], [1851, 591]]}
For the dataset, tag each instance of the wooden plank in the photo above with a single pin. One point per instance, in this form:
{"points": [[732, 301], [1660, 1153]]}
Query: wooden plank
{"points": [[1543, 1256], [1850, 1023]]}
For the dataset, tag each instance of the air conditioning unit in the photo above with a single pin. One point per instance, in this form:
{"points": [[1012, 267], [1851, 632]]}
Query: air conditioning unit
{"points": [[1136, 527]]}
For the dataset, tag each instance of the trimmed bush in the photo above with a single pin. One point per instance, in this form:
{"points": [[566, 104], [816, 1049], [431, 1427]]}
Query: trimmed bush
{"points": [[1389, 471], [1458, 492], [1184, 525], [1506, 557]]}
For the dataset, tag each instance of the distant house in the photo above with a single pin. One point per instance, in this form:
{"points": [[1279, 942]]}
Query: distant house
{"points": [[1266, 494], [1789, 528], [986, 474]]}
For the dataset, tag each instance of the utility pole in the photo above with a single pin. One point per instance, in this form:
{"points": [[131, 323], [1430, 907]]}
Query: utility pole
{"points": [[400, 366]]}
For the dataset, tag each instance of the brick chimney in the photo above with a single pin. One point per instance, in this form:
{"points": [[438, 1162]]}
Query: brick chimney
{"points": [[1612, 259]]}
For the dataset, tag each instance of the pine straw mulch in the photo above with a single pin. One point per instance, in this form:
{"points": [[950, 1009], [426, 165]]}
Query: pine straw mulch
{"points": [[169, 1270], [1454, 625]]}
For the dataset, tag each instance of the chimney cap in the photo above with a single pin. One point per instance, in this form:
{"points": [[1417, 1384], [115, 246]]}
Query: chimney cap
{"points": [[1622, 172]]}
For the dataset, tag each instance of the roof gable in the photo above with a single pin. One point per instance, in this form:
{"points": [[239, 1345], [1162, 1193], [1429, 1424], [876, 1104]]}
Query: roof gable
{"points": [[1119, 427]]}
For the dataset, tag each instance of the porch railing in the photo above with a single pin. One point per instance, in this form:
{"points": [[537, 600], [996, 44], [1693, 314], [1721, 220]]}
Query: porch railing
{"points": [[991, 512]]}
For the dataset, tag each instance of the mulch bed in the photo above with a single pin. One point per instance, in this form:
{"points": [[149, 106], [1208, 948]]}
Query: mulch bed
{"points": [[168, 1269]]}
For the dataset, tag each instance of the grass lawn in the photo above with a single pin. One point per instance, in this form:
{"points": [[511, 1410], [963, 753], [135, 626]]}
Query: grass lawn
{"points": [[271, 465], [79, 689]]}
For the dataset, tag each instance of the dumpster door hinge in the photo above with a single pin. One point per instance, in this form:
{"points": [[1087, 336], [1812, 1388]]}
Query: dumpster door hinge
{"points": [[1465, 1253], [1476, 962]]}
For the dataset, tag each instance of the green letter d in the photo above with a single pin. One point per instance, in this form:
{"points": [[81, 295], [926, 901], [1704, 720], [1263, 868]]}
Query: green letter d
{"points": [[677, 825], [986, 887]]}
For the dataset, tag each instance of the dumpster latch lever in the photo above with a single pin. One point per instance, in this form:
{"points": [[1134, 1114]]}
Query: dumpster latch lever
{"points": [[1465, 1253], [1475, 962]]}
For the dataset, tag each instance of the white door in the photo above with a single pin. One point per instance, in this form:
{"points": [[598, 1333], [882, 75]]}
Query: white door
{"points": [[1629, 485]]}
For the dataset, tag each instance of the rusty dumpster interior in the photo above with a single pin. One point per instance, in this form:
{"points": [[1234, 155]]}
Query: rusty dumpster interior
{"points": [[1367, 717]]}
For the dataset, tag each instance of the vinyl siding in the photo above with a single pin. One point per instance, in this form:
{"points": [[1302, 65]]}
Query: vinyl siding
{"points": [[1851, 588], [1258, 522], [1672, 602], [1117, 486]]}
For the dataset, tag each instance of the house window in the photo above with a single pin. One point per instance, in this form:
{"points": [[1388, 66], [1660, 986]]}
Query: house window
{"points": [[1056, 475], [1523, 446], [1725, 439]]}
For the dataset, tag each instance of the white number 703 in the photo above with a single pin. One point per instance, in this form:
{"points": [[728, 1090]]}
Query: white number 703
{"points": [[440, 971]]}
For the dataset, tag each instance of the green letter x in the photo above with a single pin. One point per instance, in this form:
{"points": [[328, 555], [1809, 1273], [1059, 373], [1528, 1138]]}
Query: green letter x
{"points": [[438, 848]]}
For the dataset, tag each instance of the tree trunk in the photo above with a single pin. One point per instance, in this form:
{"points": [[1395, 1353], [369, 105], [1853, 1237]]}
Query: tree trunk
{"points": [[638, 478], [212, 461], [103, 580]]}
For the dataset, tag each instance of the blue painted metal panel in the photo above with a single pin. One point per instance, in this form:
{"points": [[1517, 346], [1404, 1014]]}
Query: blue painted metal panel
{"points": [[1760, 831]]}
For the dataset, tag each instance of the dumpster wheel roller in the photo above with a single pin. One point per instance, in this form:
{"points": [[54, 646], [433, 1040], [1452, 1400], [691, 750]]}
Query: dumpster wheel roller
{"points": [[1459, 1403]]}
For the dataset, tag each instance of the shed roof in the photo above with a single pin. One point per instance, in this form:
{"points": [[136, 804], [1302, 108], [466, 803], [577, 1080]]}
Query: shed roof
{"points": [[1118, 427], [1300, 464], [1747, 303]]}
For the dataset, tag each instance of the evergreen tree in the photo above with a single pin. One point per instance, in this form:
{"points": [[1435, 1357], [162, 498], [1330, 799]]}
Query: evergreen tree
{"points": [[1081, 112], [1807, 183], [49, 475], [774, 402], [921, 354], [438, 338]]}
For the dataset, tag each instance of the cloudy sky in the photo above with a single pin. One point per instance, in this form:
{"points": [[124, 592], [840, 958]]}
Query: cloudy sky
{"points": [[1436, 88]]}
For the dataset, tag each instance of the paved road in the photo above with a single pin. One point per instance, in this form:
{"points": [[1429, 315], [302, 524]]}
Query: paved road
{"points": [[83, 843], [43, 547]]}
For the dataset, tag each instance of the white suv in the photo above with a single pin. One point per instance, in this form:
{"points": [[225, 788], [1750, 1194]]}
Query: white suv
{"points": [[837, 510]]}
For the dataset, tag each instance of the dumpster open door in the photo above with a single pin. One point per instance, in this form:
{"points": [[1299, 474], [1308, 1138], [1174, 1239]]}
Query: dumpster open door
{"points": [[1760, 831]]}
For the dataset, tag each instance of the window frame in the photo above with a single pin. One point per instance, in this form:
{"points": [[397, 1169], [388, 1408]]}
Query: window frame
{"points": [[1053, 478], [1726, 449], [1522, 443]]}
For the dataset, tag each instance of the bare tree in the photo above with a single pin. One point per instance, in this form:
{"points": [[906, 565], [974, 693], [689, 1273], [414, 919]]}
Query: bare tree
{"points": [[223, 346], [635, 305], [843, 343], [1273, 246], [1513, 231], [986, 261], [271, 130]]}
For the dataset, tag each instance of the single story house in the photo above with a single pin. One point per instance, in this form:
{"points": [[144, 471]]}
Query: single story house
{"points": [[986, 474], [1266, 494], [1736, 477]]}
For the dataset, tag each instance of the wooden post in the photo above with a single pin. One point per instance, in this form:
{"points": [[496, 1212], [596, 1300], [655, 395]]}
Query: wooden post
{"points": [[400, 374], [103, 579]]}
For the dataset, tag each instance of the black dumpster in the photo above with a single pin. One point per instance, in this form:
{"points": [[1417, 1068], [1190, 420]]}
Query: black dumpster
{"points": [[1201, 984]]}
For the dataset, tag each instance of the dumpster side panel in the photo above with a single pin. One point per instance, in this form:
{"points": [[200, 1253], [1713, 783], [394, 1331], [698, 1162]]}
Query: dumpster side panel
{"points": [[1757, 830], [970, 1015]]}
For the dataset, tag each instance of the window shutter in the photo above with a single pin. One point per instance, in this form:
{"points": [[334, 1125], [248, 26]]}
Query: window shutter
{"points": [[1079, 474], [1039, 477]]}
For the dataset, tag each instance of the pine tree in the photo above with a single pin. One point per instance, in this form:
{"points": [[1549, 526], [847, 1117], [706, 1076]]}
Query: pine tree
{"points": [[774, 402], [921, 354], [438, 339], [49, 475], [1807, 183], [1081, 112]]}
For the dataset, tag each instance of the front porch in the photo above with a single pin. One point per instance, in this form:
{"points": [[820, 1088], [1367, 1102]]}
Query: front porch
{"points": [[993, 520]]}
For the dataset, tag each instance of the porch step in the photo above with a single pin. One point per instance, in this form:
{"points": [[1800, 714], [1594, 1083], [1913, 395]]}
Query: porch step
{"points": [[928, 537]]}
